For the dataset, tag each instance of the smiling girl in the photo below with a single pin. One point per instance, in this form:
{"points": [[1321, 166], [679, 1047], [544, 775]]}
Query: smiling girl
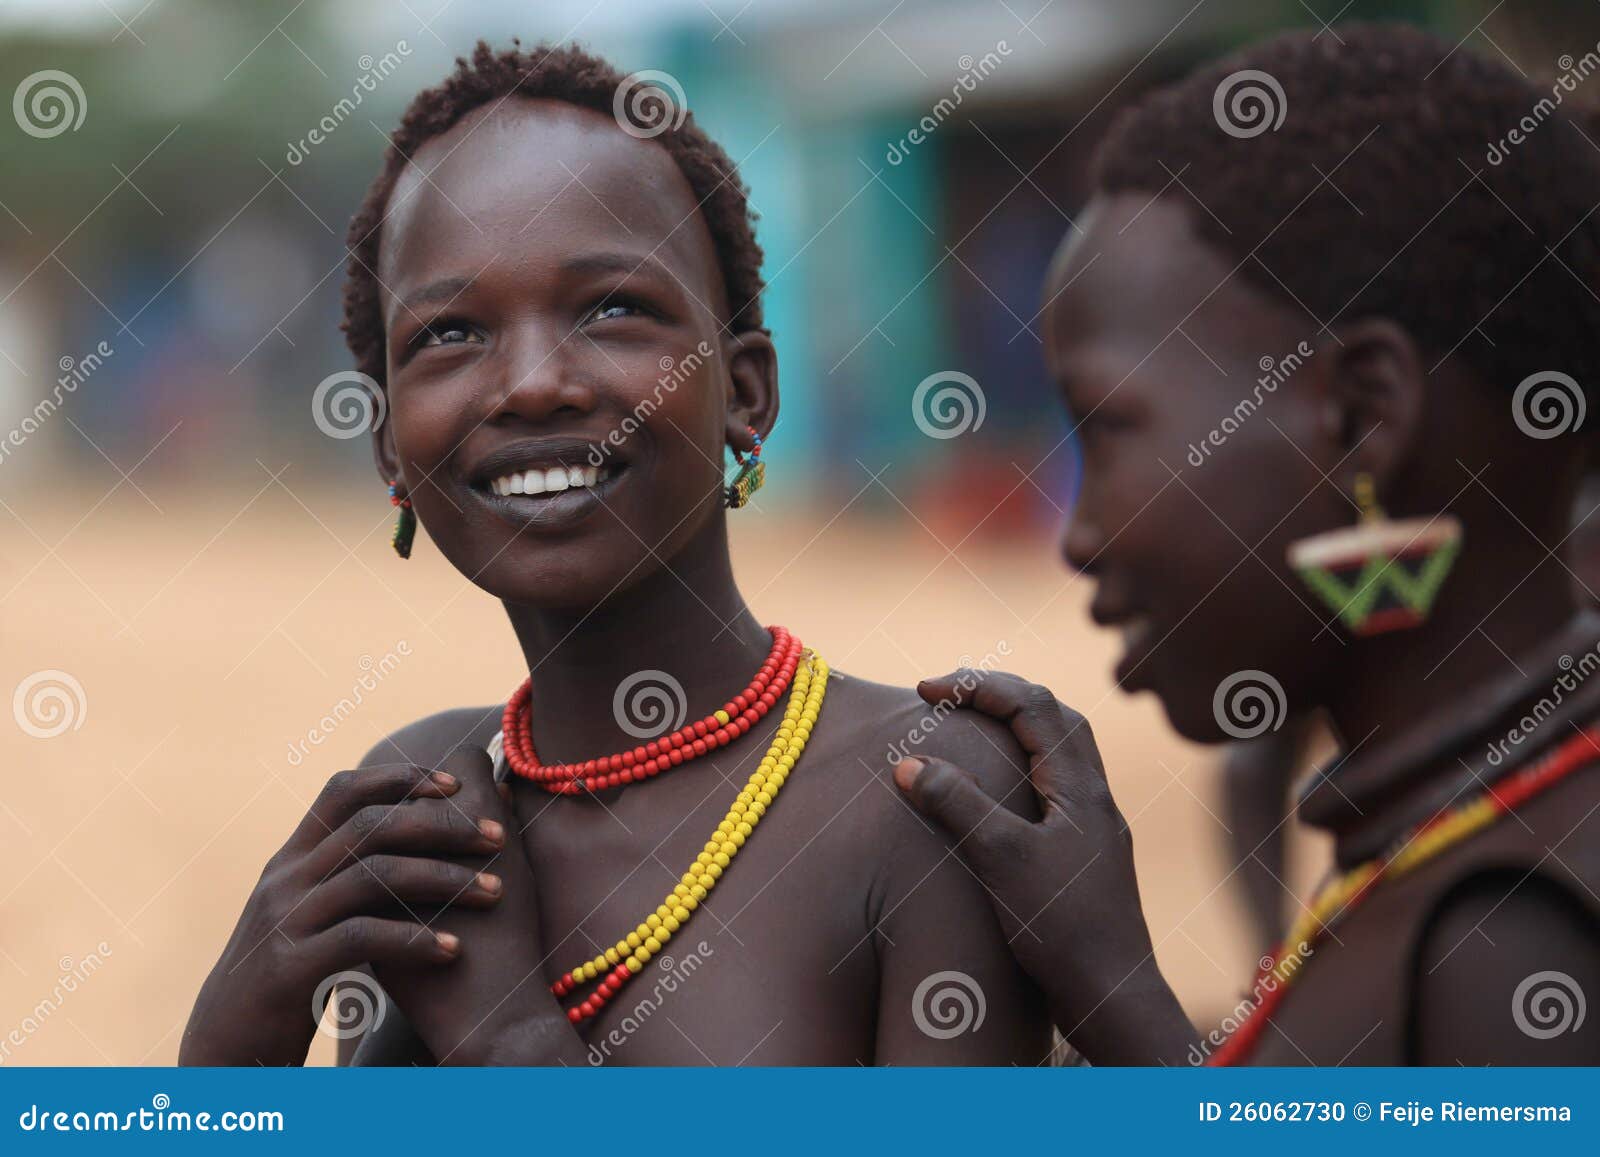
{"points": [[562, 307]]}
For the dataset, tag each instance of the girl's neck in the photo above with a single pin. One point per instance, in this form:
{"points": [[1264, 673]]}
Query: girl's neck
{"points": [[1391, 683], [686, 619]]}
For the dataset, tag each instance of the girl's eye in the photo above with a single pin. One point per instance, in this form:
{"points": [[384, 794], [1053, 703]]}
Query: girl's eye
{"points": [[446, 333], [613, 308]]}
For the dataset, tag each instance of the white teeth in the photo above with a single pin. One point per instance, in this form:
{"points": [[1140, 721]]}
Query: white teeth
{"points": [[551, 479]]}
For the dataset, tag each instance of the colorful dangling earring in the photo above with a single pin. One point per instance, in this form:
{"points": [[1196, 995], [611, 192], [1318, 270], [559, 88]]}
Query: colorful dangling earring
{"points": [[1379, 575], [405, 526], [752, 473]]}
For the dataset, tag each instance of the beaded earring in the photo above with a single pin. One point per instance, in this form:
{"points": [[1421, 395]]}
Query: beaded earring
{"points": [[405, 526], [752, 474], [1379, 575]]}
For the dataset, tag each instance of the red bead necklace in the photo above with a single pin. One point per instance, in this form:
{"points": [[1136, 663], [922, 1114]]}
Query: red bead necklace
{"points": [[718, 729]]}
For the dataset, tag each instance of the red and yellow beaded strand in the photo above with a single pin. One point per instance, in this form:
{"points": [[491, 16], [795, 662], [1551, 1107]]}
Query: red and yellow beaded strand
{"points": [[1424, 842], [627, 957]]}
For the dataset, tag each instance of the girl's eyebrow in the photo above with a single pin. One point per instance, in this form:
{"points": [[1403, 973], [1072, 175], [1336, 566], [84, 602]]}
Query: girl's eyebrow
{"points": [[445, 289], [626, 263]]}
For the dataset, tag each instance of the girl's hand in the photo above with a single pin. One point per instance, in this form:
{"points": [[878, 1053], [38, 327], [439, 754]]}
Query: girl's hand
{"points": [[493, 1005], [343, 891], [1063, 888]]}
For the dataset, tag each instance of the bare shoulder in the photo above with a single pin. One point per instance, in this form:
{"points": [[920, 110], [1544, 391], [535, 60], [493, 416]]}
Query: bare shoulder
{"points": [[1514, 942], [425, 742], [882, 723]]}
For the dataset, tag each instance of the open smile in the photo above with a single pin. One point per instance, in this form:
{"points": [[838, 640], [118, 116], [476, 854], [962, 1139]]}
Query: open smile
{"points": [[546, 485]]}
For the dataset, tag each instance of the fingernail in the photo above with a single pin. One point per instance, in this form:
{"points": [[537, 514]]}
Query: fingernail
{"points": [[444, 779], [492, 830], [448, 941], [905, 772], [490, 883]]}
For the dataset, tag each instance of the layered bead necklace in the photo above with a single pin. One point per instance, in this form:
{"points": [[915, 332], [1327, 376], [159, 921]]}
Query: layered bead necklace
{"points": [[1422, 843], [787, 664]]}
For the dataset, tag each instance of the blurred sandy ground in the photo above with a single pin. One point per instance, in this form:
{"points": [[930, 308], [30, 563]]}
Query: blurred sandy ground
{"points": [[211, 628]]}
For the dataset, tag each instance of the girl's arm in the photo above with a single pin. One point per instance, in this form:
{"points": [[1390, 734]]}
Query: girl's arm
{"points": [[1063, 888], [951, 991]]}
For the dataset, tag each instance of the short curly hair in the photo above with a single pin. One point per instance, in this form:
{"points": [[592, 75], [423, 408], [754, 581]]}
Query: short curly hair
{"points": [[1380, 193], [553, 72]]}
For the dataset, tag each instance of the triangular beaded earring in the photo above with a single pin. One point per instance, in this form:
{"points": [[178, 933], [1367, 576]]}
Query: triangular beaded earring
{"points": [[1379, 575], [405, 526], [752, 474]]}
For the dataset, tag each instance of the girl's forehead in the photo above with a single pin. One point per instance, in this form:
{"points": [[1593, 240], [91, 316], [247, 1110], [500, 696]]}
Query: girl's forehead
{"points": [[522, 176]]}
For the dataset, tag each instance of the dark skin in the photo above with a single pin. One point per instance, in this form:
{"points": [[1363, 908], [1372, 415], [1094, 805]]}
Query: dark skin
{"points": [[1199, 606], [540, 268]]}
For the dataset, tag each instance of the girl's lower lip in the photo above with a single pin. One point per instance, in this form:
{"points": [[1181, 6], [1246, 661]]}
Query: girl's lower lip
{"points": [[551, 511]]}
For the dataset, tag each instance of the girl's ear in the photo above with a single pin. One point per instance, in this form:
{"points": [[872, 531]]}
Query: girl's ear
{"points": [[752, 385], [1374, 387], [384, 452]]}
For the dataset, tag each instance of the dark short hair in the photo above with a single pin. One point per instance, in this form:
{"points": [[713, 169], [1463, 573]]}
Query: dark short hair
{"points": [[1493, 260], [552, 72]]}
